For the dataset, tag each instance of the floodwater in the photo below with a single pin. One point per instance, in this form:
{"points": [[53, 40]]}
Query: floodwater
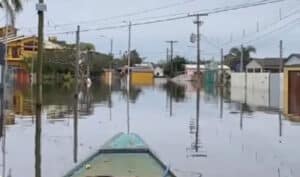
{"points": [[222, 138]]}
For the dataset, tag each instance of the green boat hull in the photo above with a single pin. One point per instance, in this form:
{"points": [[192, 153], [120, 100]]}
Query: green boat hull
{"points": [[125, 155]]}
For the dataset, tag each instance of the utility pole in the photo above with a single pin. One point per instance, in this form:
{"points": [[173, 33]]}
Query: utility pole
{"points": [[112, 47], [222, 67], [40, 7], [76, 93], [129, 56], [242, 59], [167, 55], [280, 14], [89, 63], [244, 33], [281, 55], [128, 77], [171, 42], [198, 22]]}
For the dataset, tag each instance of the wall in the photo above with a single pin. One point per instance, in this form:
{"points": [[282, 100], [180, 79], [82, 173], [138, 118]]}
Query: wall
{"points": [[254, 80], [142, 78], [263, 89]]}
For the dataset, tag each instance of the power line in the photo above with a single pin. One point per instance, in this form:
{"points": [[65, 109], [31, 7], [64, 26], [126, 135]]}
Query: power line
{"points": [[214, 11], [183, 15], [141, 12], [295, 12]]}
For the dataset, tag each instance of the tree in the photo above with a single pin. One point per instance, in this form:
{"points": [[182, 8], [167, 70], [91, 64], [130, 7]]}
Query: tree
{"points": [[177, 66], [87, 46], [12, 7], [234, 56]]}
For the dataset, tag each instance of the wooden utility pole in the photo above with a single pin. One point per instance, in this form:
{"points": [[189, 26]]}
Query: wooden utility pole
{"points": [[76, 93], [167, 54], [281, 55], [112, 47], [172, 42], [128, 76], [222, 67], [129, 55], [198, 23], [40, 7], [242, 59]]}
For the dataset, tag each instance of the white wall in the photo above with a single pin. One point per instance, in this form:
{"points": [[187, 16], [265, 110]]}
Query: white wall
{"points": [[254, 80], [263, 89]]}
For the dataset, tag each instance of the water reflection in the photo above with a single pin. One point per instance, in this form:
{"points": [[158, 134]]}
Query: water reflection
{"points": [[206, 126]]}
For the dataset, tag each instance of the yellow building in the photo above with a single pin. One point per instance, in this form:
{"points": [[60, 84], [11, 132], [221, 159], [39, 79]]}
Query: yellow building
{"points": [[292, 87], [21, 47], [142, 76], [9, 30]]}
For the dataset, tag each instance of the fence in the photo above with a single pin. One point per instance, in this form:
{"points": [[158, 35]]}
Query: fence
{"points": [[262, 89]]}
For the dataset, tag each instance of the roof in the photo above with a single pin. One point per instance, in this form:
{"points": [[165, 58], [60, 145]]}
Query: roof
{"points": [[142, 69], [51, 45], [194, 66], [269, 62], [294, 55], [16, 38]]}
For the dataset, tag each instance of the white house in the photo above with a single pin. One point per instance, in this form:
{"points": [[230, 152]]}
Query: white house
{"points": [[293, 60], [158, 71], [191, 69]]}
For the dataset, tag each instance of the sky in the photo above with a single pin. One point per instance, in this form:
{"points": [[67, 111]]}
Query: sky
{"points": [[222, 30]]}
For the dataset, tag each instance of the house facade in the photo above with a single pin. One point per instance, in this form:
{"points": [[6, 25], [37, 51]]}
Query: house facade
{"points": [[269, 65], [21, 47], [292, 87]]}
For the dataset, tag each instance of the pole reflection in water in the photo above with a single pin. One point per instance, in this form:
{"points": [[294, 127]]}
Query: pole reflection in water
{"points": [[280, 123], [75, 129], [38, 131], [128, 107], [222, 101], [241, 116], [3, 151], [110, 101], [171, 101], [197, 120]]}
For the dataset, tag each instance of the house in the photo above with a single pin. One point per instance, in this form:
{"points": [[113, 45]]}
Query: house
{"points": [[21, 47], [9, 30], [270, 65], [191, 69], [158, 71], [292, 87], [142, 75]]}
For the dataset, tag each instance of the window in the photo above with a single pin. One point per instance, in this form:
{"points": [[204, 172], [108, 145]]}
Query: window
{"points": [[250, 70], [15, 52], [30, 46], [257, 70]]}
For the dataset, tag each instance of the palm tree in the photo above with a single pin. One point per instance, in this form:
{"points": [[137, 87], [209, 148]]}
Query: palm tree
{"points": [[235, 53], [12, 7]]}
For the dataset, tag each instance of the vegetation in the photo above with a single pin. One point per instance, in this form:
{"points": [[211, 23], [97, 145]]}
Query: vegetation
{"points": [[233, 58], [135, 58], [177, 66], [60, 63], [12, 7]]}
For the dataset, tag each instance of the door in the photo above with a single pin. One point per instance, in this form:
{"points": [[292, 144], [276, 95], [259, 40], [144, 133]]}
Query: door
{"points": [[294, 94]]}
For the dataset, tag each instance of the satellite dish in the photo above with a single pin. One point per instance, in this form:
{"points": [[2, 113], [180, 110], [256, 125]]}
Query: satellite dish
{"points": [[193, 38]]}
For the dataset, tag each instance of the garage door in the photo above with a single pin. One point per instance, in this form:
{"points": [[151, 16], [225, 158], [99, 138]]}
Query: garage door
{"points": [[294, 93]]}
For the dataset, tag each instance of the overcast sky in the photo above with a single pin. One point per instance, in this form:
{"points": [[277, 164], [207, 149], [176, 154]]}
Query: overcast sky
{"points": [[149, 40]]}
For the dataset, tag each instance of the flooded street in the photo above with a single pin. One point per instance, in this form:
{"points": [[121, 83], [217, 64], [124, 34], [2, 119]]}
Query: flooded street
{"points": [[227, 139]]}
